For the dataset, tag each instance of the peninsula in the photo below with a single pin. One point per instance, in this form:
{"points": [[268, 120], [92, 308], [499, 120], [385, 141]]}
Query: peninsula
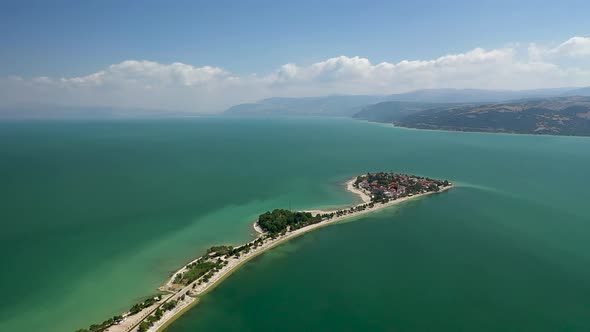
{"points": [[182, 290]]}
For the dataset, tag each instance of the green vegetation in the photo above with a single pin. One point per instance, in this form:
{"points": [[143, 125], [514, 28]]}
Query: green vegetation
{"points": [[553, 116], [152, 319], [169, 305], [217, 251], [279, 220], [207, 265], [103, 326], [116, 319], [195, 271], [142, 305]]}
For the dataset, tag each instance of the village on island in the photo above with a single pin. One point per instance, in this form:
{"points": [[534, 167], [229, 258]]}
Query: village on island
{"points": [[181, 291]]}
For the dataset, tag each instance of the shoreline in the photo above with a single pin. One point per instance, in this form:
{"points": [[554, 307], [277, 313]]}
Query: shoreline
{"points": [[441, 130], [188, 296]]}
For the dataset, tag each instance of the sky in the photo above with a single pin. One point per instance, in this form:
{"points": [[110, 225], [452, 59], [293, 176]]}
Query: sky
{"points": [[205, 56]]}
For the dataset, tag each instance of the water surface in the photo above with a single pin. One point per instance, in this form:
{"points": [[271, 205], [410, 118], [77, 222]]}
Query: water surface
{"points": [[97, 214]]}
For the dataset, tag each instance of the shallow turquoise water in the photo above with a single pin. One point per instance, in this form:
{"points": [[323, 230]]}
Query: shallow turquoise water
{"points": [[96, 214]]}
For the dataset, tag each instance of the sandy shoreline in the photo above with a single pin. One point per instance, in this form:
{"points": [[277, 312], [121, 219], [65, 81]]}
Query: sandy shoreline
{"points": [[194, 289]]}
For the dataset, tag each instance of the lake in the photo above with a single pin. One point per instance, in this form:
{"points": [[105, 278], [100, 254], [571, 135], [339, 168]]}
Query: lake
{"points": [[97, 214]]}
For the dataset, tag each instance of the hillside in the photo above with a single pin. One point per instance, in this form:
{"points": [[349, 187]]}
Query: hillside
{"points": [[391, 111], [554, 116], [578, 92], [474, 95]]}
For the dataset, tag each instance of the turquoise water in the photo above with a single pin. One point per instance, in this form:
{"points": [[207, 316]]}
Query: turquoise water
{"points": [[97, 214]]}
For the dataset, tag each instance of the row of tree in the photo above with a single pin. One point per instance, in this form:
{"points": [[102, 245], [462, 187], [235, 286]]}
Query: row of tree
{"points": [[117, 319], [204, 266], [152, 319], [343, 212], [102, 326]]}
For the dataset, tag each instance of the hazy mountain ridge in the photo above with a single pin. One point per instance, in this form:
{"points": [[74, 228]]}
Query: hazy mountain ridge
{"points": [[391, 111], [319, 106], [351, 105], [578, 92], [546, 111], [473, 95], [563, 111]]}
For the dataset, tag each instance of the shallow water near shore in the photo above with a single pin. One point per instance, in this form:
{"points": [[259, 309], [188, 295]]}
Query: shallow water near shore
{"points": [[97, 214]]}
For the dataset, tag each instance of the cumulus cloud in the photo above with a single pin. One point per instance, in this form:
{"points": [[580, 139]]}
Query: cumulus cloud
{"points": [[504, 68], [180, 86], [575, 47], [359, 75], [147, 74]]}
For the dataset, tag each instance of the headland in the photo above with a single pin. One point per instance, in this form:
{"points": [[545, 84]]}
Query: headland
{"points": [[183, 289]]}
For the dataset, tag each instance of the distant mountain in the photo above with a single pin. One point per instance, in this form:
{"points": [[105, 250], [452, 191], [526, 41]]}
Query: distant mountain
{"points": [[391, 111], [308, 106], [350, 105], [578, 92], [554, 116], [473, 95]]}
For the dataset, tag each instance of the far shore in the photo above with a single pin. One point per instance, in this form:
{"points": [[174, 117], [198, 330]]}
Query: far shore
{"points": [[187, 296], [468, 130]]}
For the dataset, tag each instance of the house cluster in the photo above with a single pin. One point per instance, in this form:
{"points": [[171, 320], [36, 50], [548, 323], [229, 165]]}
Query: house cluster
{"points": [[396, 185]]}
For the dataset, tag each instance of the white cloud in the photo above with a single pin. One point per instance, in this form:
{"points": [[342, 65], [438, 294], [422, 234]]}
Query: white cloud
{"points": [[134, 83], [478, 68], [575, 47], [145, 73]]}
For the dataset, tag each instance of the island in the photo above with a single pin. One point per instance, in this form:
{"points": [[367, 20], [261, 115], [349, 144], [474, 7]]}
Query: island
{"points": [[183, 288]]}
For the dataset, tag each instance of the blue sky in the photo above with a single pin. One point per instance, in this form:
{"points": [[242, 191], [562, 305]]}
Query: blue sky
{"points": [[58, 39], [73, 37]]}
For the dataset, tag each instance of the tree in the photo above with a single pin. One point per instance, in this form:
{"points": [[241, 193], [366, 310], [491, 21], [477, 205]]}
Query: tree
{"points": [[143, 326], [159, 313]]}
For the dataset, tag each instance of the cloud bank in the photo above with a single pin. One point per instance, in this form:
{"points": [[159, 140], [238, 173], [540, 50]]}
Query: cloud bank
{"points": [[179, 86]]}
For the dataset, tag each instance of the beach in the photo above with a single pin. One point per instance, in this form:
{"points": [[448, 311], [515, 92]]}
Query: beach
{"points": [[187, 296]]}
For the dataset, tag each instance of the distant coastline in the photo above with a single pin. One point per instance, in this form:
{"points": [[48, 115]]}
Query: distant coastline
{"points": [[157, 313], [556, 116], [452, 130]]}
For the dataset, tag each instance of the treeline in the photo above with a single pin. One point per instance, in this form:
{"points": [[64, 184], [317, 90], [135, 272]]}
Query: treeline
{"points": [[195, 271], [216, 251], [102, 326], [206, 266], [142, 305], [117, 319], [343, 212], [152, 319], [279, 220]]}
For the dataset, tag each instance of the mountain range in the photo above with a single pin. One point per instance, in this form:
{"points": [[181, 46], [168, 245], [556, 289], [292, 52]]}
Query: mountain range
{"points": [[561, 111], [346, 105]]}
